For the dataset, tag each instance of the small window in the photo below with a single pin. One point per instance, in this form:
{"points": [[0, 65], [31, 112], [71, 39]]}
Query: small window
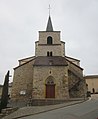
{"points": [[93, 90], [49, 40], [48, 53]]}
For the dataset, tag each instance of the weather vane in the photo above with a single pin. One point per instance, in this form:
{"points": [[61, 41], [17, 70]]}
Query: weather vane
{"points": [[49, 9]]}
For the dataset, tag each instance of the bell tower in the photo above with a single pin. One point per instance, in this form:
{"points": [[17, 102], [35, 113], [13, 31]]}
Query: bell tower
{"points": [[49, 43]]}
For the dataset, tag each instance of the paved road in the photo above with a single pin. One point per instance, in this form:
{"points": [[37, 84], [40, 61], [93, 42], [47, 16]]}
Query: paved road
{"points": [[86, 110]]}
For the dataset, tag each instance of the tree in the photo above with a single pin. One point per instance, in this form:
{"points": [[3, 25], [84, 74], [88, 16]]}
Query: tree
{"points": [[4, 97]]}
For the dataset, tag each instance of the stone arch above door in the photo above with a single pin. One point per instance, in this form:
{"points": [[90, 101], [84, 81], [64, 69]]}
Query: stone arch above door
{"points": [[50, 80], [50, 87]]}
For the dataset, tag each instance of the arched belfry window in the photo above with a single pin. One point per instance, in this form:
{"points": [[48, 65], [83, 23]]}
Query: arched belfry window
{"points": [[49, 53], [49, 40]]}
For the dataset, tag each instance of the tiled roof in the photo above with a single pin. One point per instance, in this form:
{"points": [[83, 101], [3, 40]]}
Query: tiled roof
{"points": [[90, 76], [72, 58], [53, 61], [45, 60]]}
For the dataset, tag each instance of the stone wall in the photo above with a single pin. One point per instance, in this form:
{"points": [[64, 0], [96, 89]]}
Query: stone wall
{"points": [[43, 37], [76, 86], [22, 81], [92, 82], [57, 48], [22, 61], [31, 80], [75, 61], [75, 69], [78, 91], [41, 73]]}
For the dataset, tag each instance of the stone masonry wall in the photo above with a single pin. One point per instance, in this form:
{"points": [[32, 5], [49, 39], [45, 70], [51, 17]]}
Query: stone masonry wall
{"points": [[43, 37], [75, 69], [76, 82], [60, 75], [22, 81], [56, 50]]}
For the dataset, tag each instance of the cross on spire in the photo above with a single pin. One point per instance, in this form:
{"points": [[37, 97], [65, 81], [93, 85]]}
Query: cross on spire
{"points": [[49, 27], [49, 9]]}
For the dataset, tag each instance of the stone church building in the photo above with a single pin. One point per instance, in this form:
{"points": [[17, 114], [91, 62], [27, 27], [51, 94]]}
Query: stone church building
{"points": [[50, 74]]}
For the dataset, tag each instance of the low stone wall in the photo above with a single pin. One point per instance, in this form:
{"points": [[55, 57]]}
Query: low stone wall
{"points": [[7, 111], [42, 102], [18, 103]]}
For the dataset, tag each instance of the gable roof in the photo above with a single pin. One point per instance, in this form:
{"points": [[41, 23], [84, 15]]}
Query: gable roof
{"points": [[24, 63], [72, 58], [46, 61], [90, 76], [32, 57], [53, 61], [74, 64]]}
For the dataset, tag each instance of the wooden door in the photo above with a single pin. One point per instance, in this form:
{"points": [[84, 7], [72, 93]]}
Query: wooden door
{"points": [[50, 91]]}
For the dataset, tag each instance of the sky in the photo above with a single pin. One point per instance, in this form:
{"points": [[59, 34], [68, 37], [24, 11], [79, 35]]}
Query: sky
{"points": [[20, 21]]}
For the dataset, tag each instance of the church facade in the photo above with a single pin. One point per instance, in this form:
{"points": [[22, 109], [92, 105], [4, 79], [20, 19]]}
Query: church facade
{"points": [[50, 74]]}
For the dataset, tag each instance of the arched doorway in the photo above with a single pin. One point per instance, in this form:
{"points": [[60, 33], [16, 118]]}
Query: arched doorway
{"points": [[50, 87]]}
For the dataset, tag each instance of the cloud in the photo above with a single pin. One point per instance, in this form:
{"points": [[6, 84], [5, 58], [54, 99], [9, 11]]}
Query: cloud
{"points": [[20, 21]]}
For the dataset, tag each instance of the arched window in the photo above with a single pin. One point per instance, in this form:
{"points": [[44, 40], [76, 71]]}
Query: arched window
{"points": [[48, 53], [49, 40]]}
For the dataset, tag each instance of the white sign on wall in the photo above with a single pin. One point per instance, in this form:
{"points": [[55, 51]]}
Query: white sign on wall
{"points": [[23, 92]]}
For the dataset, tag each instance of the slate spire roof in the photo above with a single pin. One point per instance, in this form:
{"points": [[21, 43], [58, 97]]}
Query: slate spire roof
{"points": [[49, 25]]}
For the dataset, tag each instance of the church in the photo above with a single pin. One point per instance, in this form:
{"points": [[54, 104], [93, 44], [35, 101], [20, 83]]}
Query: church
{"points": [[50, 74]]}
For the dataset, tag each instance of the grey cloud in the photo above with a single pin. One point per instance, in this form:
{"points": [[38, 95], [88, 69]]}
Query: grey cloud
{"points": [[20, 21]]}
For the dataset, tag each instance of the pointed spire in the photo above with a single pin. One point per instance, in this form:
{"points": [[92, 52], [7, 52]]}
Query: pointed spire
{"points": [[49, 25]]}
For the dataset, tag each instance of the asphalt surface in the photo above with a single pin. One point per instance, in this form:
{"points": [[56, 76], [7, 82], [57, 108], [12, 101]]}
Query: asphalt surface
{"points": [[68, 110], [33, 110], [86, 110]]}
